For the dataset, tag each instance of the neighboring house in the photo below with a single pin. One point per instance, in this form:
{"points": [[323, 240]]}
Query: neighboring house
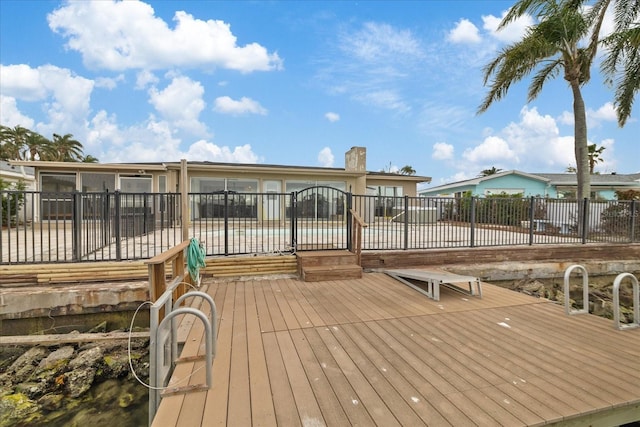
{"points": [[553, 185], [13, 174], [209, 177]]}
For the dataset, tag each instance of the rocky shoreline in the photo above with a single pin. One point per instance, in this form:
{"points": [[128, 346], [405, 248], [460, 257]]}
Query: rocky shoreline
{"points": [[74, 384]]}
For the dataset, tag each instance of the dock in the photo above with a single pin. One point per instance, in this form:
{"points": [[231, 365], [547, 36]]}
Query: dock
{"points": [[374, 352]]}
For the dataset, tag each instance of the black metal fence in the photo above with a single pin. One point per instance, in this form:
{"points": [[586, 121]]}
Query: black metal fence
{"points": [[40, 227]]}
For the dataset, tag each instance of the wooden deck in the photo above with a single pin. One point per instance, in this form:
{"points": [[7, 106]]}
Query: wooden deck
{"points": [[374, 352]]}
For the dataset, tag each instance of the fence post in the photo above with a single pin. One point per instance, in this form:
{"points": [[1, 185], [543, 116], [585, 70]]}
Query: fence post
{"points": [[116, 224], [406, 222], [349, 218], [532, 211], [76, 224], [226, 222], [472, 222], [632, 219], [585, 219], [294, 221]]}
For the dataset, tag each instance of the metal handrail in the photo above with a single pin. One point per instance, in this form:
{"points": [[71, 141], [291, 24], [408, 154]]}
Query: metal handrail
{"points": [[616, 302], [585, 290]]}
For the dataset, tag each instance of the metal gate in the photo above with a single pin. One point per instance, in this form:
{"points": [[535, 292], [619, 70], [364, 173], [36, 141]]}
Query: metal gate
{"points": [[320, 218]]}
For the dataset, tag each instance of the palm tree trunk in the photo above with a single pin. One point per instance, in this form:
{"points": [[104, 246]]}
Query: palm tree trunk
{"points": [[581, 145]]}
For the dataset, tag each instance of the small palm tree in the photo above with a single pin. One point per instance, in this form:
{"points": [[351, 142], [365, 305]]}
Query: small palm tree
{"points": [[89, 159], [594, 156], [492, 171], [407, 170]]}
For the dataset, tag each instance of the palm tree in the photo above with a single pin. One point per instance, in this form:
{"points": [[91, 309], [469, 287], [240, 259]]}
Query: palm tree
{"points": [[551, 46], [594, 156], [36, 145], [407, 170], [492, 171], [90, 159], [11, 141], [621, 65], [66, 148]]}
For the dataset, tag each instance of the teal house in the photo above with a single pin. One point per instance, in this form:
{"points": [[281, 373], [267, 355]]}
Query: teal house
{"points": [[552, 185]]}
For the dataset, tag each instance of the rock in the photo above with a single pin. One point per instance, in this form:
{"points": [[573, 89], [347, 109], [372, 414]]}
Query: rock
{"points": [[117, 364], [107, 391], [32, 389], [18, 409], [24, 365], [87, 357], [55, 360], [51, 402], [79, 381]]}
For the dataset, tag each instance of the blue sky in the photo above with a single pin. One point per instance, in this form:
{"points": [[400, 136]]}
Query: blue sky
{"points": [[291, 83]]}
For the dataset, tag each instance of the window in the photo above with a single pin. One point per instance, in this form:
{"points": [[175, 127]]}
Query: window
{"points": [[97, 182], [57, 195]]}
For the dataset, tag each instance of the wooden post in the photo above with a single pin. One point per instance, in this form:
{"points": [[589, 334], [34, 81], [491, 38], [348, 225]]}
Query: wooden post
{"points": [[184, 197]]}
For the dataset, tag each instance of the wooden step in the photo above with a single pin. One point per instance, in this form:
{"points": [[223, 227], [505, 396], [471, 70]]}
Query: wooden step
{"points": [[326, 258], [330, 272]]}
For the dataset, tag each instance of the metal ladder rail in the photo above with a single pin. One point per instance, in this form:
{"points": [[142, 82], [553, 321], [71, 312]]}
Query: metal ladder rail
{"points": [[213, 320], [616, 302], [585, 290], [163, 362]]}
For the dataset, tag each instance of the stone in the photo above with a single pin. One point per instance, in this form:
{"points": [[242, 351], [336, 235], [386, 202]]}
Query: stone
{"points": [[55, 359], [89, 357], [51, 402], [17, 409], [79, 381], [29, 360]]}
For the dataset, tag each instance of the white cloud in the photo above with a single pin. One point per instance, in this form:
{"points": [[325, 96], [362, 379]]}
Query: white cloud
{"points": [[181, 103], [492, 149], [387, 99], [11, 116], [127, 34], [606, 113], [145, 78], [378, 42], [207, 151], [464, 32], [332, 117], [566, 118], [512, 32], [226, 105], [442, 151], [325, 157]]}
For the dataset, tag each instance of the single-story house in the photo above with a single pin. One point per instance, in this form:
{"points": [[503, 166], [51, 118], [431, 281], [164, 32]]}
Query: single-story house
{"points": [[211, 177], [552, 185]]}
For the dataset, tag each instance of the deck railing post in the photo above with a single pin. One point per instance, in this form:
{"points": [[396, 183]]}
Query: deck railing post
{"points": [[532, 210], [76, 225], [406, 223], [472, 222], [117, 231], [226, 222], [633, 216], [294, 220], [349, 217]]}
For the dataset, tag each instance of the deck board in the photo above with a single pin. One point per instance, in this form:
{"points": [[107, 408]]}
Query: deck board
{"points": [[373, 351]]}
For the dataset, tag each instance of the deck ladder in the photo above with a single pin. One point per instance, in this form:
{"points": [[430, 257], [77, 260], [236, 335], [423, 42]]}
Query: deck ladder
{"points": [[163, 346], [616, 297]]}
